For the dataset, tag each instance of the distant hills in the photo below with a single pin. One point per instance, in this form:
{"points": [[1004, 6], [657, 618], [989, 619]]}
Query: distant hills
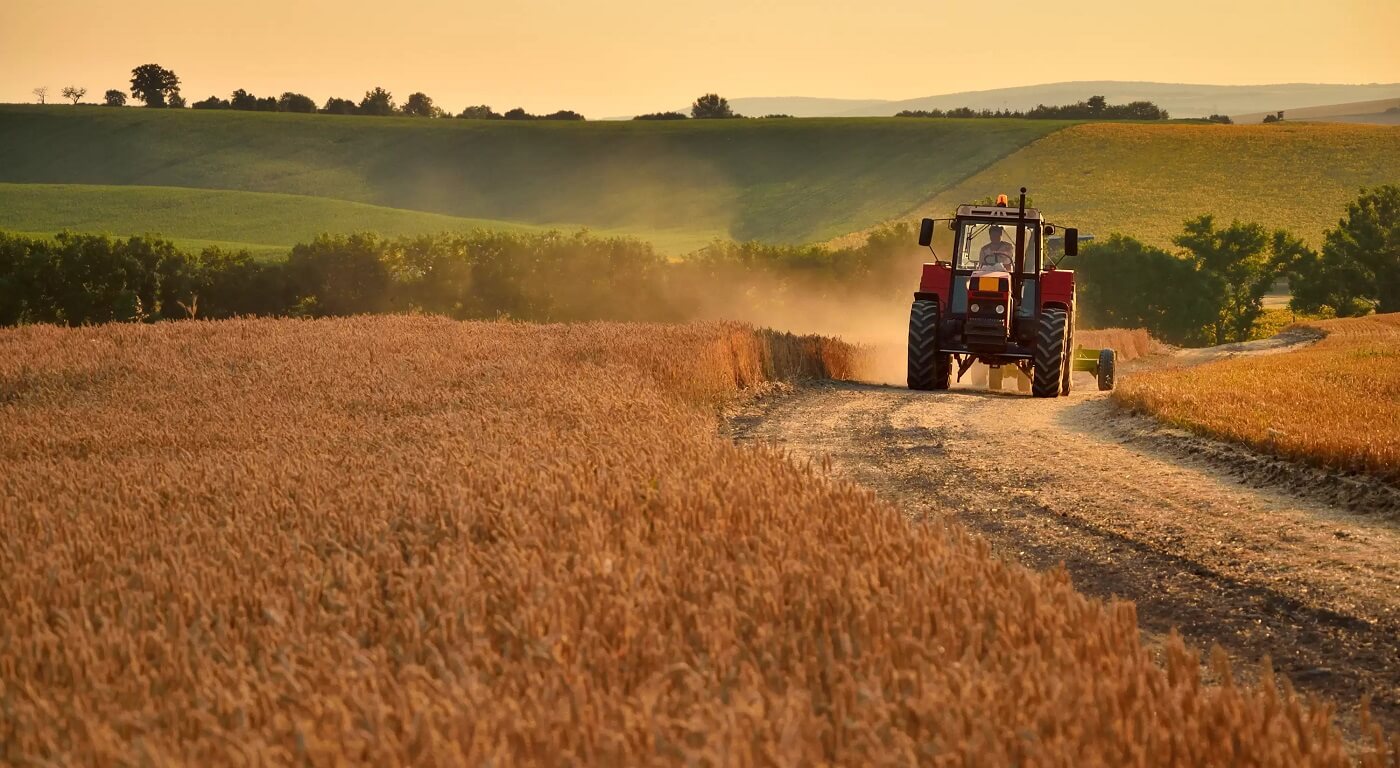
{"points": [[1180, 99], [1378, 112]]}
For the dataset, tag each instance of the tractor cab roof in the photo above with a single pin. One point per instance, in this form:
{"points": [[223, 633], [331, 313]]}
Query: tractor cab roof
{"points": [[995, 212]]}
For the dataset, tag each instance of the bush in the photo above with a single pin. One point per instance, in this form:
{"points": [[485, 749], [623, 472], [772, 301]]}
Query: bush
{"points": [[340, 275], [295, 102], [544, 277], [480, 112], [81, 279], [1126, 284]]}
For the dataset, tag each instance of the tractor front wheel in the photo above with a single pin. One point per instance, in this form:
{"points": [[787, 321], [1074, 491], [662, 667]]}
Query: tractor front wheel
{"points": [[1050, 353], [1108, 360], [929, 367]]}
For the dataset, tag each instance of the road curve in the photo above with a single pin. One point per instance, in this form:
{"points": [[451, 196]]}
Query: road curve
{"points": [[1261, 571]]}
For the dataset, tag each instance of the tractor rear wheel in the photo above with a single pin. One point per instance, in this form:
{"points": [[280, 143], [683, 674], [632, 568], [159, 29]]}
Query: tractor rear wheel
{"points": [[929, 367], [1108, 361], [1050, 353]]}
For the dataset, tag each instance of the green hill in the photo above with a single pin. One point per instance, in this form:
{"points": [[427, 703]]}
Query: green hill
{"points": [[263, 222], [1144, 180], [269, 180], [771, 180]]}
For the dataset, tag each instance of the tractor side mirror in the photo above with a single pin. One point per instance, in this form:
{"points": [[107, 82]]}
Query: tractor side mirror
{"points": [[926, 232], [1071, 241]]}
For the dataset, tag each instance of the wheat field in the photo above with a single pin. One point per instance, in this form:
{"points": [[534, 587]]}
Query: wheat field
{"points": [[1129, 343], [407, 540], [1335, 402]]}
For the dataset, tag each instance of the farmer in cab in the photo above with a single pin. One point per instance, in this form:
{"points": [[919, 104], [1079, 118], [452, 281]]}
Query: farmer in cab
{"points": [[998, 253]]}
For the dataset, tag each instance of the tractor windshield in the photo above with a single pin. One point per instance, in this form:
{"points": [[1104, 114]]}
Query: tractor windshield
{"points": [[984, 246]]}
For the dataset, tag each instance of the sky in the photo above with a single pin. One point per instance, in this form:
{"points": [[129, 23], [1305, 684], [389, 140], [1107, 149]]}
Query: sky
{"points": [[621, 57]]}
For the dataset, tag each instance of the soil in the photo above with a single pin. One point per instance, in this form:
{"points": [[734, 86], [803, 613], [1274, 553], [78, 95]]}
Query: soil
{"points": [[1263, 557]]}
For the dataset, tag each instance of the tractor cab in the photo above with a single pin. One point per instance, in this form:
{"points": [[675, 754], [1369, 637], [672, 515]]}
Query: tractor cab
{"points": [[984, 245], [997, 301]]}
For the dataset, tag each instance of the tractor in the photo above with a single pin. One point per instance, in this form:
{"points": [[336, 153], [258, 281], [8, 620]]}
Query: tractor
{"points": [[1000, 301]]}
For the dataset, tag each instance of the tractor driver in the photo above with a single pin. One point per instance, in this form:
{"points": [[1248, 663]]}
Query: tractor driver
{"points": [[996, 255]]}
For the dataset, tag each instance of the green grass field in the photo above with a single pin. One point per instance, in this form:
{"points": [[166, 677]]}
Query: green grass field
{"points": [[1145, 180], [193, 175], [261, 222], [771, 180]]}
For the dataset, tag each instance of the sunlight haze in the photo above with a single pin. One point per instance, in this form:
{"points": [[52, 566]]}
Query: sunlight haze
{"points": [[628, 56]]}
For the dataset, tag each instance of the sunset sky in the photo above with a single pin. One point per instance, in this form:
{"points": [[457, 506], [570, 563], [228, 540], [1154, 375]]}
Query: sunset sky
{"points": [[626, 56]]}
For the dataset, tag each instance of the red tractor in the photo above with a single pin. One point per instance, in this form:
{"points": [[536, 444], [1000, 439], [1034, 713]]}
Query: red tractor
{"points": [[999, 302]]}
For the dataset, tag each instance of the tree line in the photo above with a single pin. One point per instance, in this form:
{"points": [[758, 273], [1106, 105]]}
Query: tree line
{"points": [[1212, 291], [159, 88], [77, 279], [1209, 292], [1095, 108]]}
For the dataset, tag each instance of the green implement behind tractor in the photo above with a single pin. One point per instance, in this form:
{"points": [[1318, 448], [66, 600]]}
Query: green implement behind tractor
{"points": [[1099, 363]]}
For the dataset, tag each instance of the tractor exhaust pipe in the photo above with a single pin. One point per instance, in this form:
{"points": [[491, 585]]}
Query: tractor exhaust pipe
{"points": [[1020, 247]]}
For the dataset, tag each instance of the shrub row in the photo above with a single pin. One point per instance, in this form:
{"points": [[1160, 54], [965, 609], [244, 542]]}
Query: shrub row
{"points": [[77, 279]]}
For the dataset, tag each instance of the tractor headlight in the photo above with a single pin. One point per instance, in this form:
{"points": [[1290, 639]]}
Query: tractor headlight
{"points": [[975, 308], [1001, 309]]}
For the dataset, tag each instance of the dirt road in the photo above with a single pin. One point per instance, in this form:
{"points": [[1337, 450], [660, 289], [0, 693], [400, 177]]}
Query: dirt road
{"points": [[1192, 538]]}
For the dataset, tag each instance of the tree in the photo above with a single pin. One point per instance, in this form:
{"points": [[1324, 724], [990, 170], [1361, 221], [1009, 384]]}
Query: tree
{"points": [[296, 102], [1276, 117], [420, 105], [154, 84], [1126, 283], [336, 106], [213, 102], [1359, 268], [378, 102], [241, 99], [1222, 119], [340, 275], [74, 92], [177, 101], [1247, 259], [711, 105], [481, 112], [563, 114], [1097, 105], [114, 98], [41, 93], [662, 116], [518, 113]]}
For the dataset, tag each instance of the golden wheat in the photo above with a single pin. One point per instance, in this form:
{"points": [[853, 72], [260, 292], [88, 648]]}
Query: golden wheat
{"points": [[1130, 344], [405, 540], [1335, 402]]}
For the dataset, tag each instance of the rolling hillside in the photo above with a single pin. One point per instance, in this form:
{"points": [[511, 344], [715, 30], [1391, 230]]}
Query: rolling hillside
{"points": [[771, 180], [269, 180], [1180, 99], [262, 222], [1379, 111], [1145, 180]]}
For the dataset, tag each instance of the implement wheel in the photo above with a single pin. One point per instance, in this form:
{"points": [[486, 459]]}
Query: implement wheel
{"points": [[1050, 353], [929, 368], [1108, 361]]}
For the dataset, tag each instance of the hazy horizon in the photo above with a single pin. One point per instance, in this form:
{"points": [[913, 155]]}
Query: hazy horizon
{"points": [[625, 57]]}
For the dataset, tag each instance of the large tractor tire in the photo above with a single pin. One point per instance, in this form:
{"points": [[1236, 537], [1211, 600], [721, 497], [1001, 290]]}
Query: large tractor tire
{"points": [[929, 368], [1050, 354], [1108, 363]]}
